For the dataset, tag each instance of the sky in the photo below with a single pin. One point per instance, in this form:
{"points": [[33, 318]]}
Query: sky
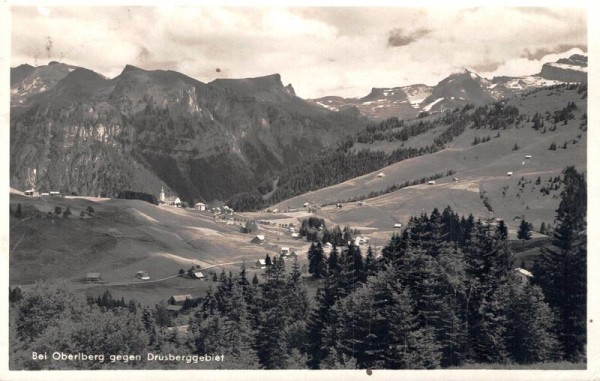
{"points": [[321, 51]]}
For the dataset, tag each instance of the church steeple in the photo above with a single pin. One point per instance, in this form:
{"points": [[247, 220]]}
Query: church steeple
{"points": [[162, 194]]}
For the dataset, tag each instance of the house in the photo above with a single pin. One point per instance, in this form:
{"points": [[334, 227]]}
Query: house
{"points": [[432, 182], [455, 179], [261, 264], [200, 206], [143, 275], [362, 240], [524, 275], [296, 235], [29, 192], [306, 204], [509, 174], [284, 251], [397, 225], [179, 299], [381, 174], [197, 274], [527, 156], [260, 239], [174, 307], [45, 194], [93, 277], [328, 245], [179, 328], [338, 205], [55, 193]]}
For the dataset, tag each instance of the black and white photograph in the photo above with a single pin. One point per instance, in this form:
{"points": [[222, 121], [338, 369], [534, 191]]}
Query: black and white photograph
{"points": [[367, 188]]}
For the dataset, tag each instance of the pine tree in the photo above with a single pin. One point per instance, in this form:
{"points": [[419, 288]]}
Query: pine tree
{"points": [[316, 260], [530, 336], [524, 233], [560, 270]]}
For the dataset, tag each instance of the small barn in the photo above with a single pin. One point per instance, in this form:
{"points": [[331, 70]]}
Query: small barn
{"points": [[455, 179], [197, 274], [397, 225], [29, 192], [306, 205], [55, 193], [296, 235], [143, 275], [200, 206], [93, 277], [381, 174], [45, 194], [527, 157], [174, 307], [524, 275], [509, 174], [432, 182], [179, 299], [285, 251], [261, 264], [259, 239]]}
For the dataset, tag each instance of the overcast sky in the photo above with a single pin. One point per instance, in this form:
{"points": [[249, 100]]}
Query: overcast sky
{"points": [[321, 51]]}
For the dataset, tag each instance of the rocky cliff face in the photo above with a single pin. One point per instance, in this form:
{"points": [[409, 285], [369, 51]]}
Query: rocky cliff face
{"points": [[572, 69], [142, 130]]}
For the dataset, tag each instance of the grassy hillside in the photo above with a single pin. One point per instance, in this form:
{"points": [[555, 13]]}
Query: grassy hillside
{"points": [[121, 237], [481, 171]]}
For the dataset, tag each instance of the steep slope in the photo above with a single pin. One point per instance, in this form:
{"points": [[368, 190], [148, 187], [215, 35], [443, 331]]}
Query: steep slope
{"points": [[146, 129], [572, 69], [27, 80]]}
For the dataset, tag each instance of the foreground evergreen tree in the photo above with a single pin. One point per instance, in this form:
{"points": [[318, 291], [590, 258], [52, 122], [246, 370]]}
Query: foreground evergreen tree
{"points": [[524, 233], [560, 270], [316, 260]]}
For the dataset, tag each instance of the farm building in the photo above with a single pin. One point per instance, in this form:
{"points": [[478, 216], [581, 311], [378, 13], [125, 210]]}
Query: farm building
{"points": [[30, 192], [509, 174], [338, 205], [524, 274], [45, 194], [362, 240], [455, 179], [200, 206], [527, 156], [197, 274], [55, 193], [381, 174], [260, 239], [174, 307], [397, 225], [261, 264], [143, 275], [179, 299], [296, 235], [306, 205], [93, 277], [432, 182]]}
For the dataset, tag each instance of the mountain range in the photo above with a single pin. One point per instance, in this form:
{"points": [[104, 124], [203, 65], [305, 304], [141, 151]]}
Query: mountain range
{"points": [[78, 132], [456, 90]]}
